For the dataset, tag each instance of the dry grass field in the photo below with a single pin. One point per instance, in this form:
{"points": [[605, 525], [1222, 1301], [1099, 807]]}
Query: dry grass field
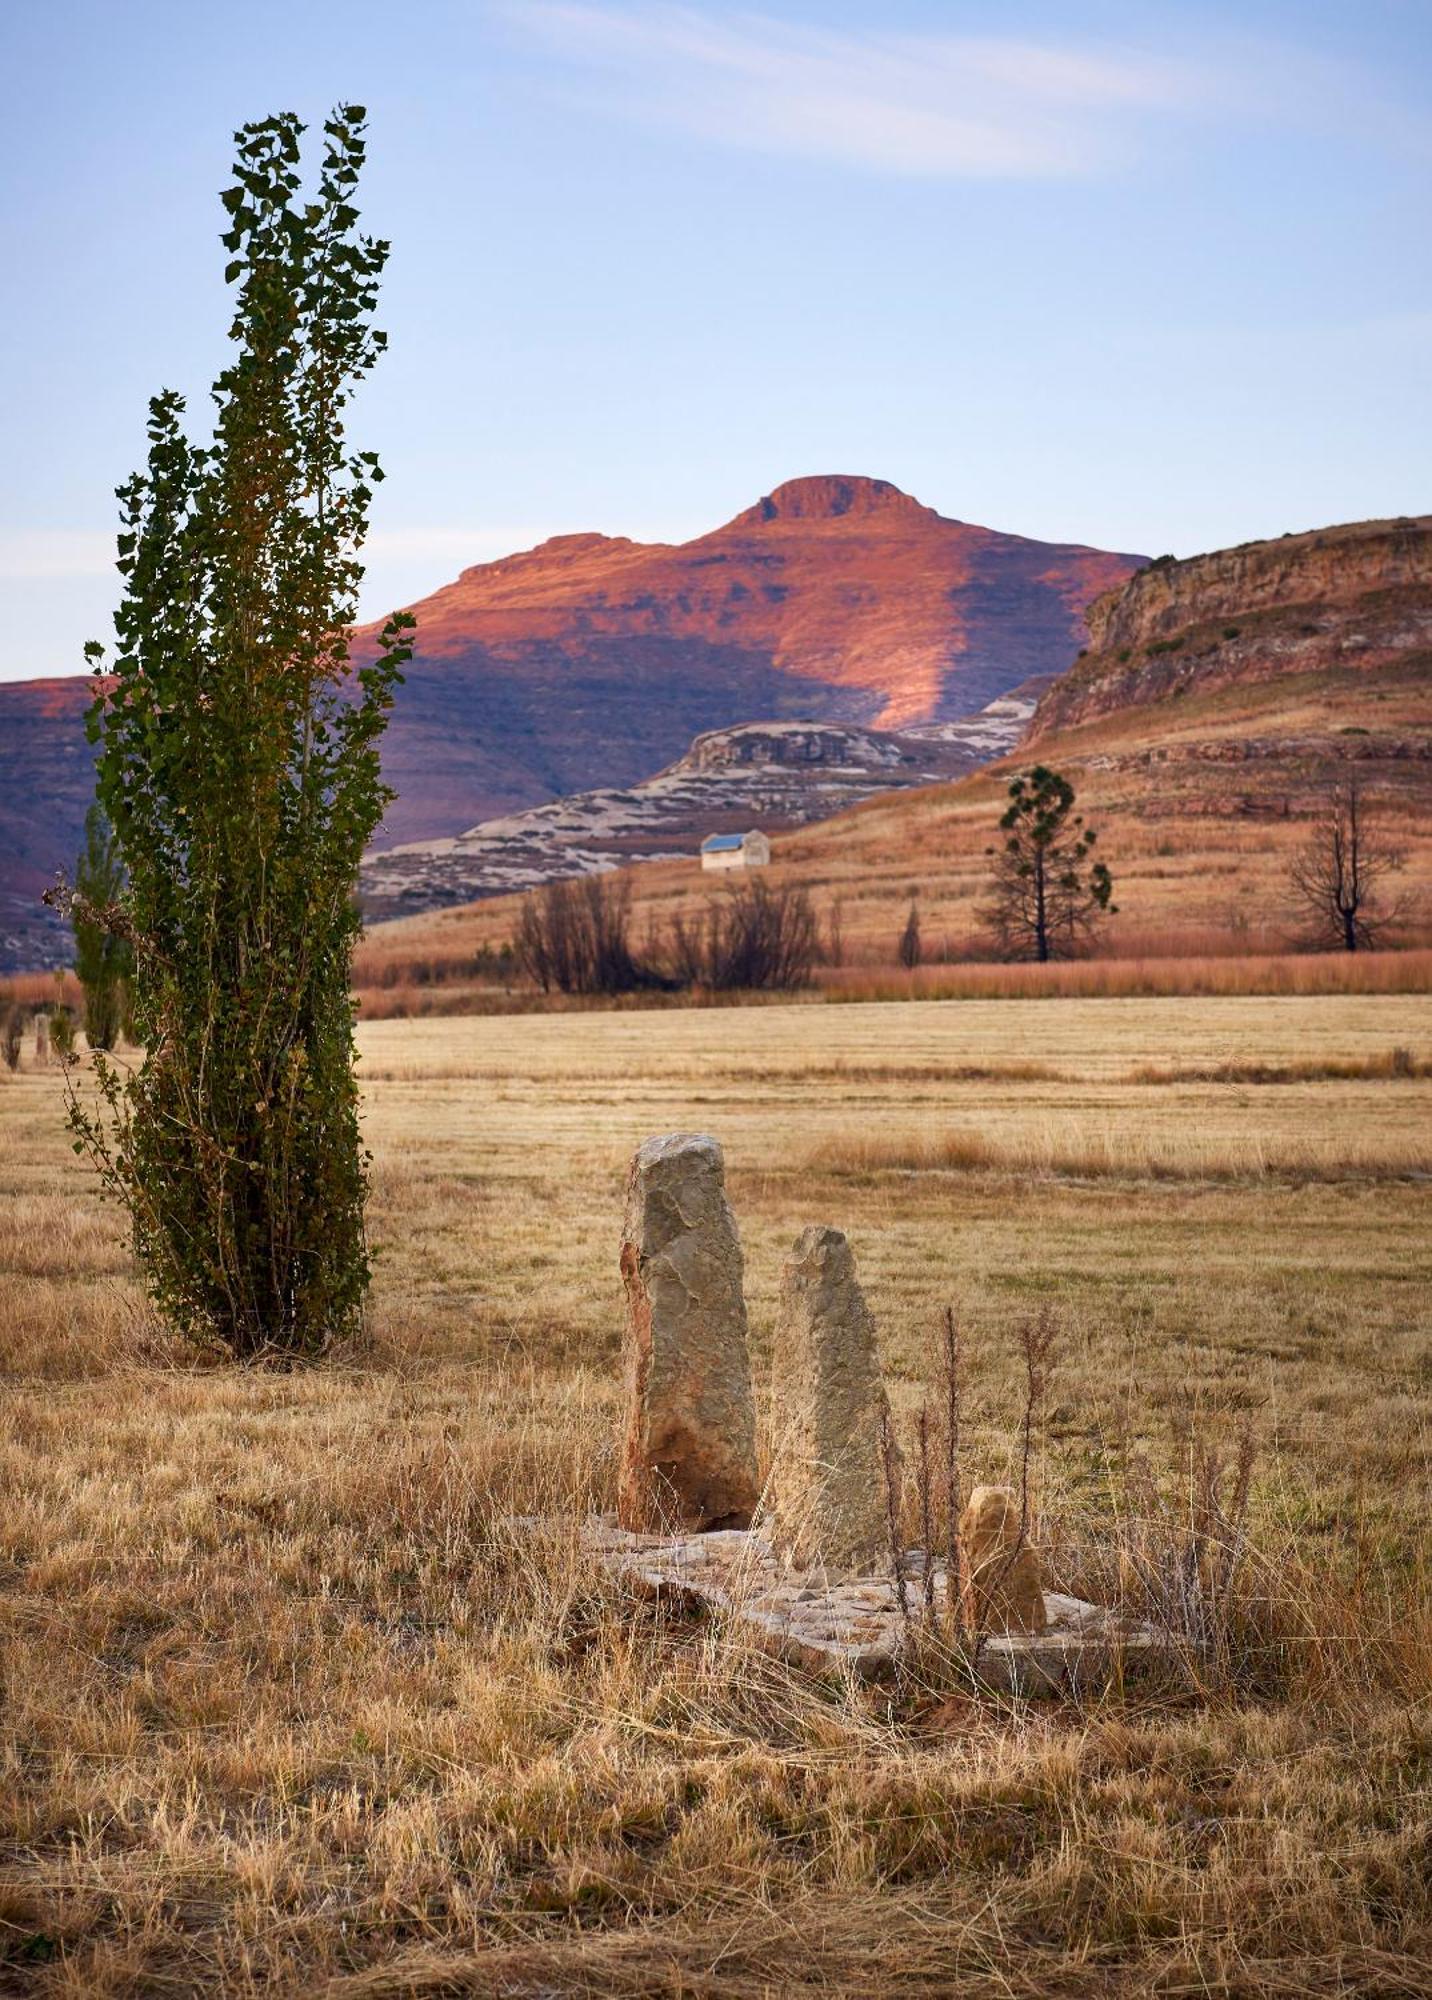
{"points": [[287, 1708]]}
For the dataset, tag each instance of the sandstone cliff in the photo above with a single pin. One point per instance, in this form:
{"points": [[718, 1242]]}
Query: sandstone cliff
{"points": [[1356, 598]]}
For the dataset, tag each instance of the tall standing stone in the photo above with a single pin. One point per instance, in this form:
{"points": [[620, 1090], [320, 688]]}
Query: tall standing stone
{"points": [[830, 1474], [690, 1455]]}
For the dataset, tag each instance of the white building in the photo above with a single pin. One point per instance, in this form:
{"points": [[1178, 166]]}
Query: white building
{"points": [[735, 850]]}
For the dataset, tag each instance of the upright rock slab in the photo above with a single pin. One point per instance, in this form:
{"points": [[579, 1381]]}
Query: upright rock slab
{"points": [[689, 1462], [830, 1475], [1004, 1591]]}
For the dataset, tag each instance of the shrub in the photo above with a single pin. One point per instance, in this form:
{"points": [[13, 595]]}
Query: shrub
{"points": [[576, 936], [103, 957], [749, 937]]}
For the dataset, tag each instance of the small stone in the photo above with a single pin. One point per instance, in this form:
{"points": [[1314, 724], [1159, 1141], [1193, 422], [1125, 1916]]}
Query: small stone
{"points": [[830, 1499], [689, 1461], [1003, 1588]]}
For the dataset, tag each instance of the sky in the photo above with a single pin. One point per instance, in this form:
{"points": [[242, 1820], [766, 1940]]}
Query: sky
{"points": [[1155, 277]]}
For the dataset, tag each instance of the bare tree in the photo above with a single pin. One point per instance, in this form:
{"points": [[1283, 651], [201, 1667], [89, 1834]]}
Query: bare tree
{"points": [[1336, 878], [576, 936]]}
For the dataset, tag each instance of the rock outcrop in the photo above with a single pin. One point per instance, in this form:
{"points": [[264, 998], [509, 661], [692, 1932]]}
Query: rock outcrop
{"points": [[830, 1476], [774, 775], [689, 1460], [1357, 597]]}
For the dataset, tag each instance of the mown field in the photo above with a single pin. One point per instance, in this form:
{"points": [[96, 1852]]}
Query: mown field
{"points": [[288, 1708]]}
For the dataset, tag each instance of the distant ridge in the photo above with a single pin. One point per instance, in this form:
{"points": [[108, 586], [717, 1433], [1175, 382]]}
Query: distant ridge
{"points": [[593, 660]]}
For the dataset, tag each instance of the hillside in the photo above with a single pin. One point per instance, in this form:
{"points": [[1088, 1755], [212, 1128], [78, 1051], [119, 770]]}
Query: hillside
{"points": [[1200, 757], [595, 661], [775, 775]]}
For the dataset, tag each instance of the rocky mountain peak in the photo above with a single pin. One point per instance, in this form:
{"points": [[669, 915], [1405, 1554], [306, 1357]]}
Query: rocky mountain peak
{"points": [[831, 496]]}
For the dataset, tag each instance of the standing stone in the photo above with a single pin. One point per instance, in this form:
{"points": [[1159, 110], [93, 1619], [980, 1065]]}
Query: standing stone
{"points": [[830, 1475], [690, 1457], [1003, 1590]]}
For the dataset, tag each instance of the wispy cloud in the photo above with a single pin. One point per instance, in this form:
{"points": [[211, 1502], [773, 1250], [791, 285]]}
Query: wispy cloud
{"points": [[954, 105], [935, 105]]}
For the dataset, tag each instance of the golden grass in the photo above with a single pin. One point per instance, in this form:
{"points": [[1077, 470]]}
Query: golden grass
{"points": [[289, 1709], [1250, 975]]}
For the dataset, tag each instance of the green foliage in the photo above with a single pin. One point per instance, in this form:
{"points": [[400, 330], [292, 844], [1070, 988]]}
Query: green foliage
{"points": [[1048, 896], [239, 770], [62, 1041], [103, 956], [12, 1029]]}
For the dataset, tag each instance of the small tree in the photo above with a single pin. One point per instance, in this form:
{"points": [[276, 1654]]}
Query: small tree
{"points": [[103, 958], [1048, 897], [1337, 878], [239, 769], [909, 946]]}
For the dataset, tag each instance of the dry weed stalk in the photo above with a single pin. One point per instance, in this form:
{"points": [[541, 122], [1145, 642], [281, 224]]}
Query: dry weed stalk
{"points": [[889, 1460], [1181, 1556], [954, 1581], [927, 1515]]}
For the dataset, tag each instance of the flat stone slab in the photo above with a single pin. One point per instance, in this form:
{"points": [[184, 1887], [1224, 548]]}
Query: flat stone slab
{"points": [[852, 1624]]}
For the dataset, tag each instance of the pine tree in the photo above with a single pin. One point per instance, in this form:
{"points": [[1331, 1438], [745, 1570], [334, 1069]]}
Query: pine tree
{"points": [[1048, 897]]}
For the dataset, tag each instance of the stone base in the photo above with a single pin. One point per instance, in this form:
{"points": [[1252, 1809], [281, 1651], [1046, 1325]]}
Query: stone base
{"points": [[852, 1624]]}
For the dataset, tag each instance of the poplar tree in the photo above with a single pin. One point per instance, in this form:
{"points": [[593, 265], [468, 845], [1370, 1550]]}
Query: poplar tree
{"points": [[238, 765], [103, 960]]}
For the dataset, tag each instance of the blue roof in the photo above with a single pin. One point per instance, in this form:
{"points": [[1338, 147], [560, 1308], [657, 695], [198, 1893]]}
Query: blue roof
{"points": [[721, 843]]}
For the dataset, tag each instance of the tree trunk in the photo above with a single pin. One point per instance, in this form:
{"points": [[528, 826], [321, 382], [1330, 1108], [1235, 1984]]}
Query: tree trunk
{"points": [[1041, 914]]}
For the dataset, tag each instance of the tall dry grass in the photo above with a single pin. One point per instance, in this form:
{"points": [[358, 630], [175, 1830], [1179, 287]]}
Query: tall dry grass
{"points": [[1068, 1147], [291, 1706], [1255, 974]]}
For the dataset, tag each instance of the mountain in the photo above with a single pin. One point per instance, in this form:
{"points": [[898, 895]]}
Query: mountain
{"points": [[1219, 701], [595, 661], [46, 785], [775, 775]]}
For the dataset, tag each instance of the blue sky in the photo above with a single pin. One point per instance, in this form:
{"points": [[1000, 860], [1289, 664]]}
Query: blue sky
{"points": [[1153, 277]]}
